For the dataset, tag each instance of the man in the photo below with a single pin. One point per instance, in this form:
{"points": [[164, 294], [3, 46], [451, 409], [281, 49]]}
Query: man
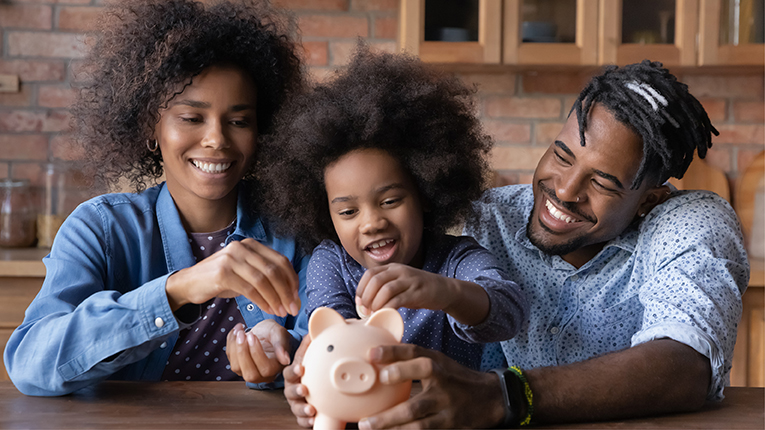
{"points": [[635, 289]]}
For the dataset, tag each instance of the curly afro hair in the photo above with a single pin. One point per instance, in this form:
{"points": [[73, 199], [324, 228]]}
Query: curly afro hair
{"points": [[147, 51], [393, 102]]}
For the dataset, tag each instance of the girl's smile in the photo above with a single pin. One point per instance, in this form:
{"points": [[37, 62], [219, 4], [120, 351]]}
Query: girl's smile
{"points": [[375, 208]]}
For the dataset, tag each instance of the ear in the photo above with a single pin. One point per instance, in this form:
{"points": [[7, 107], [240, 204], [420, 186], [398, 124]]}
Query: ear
{"points": [[388, 319], [321, 319], [651, 198]]}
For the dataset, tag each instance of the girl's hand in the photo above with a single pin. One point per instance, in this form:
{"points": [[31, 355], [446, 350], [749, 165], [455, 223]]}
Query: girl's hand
{"points": [[400, 286], [260, 354], [294, 391], [247, 268]]}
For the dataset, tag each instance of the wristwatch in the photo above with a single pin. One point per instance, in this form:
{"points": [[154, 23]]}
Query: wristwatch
{"points": [[512, 394]]}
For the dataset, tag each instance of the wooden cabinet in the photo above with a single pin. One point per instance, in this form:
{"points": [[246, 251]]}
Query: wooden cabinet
{"points": [[585, 32], [21, 276]]}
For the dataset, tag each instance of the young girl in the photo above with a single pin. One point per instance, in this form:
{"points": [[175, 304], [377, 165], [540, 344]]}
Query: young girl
{"points": [[374, 167], [147, 286]]}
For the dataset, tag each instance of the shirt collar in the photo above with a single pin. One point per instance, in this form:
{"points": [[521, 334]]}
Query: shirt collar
{"points": [[174, 235]]}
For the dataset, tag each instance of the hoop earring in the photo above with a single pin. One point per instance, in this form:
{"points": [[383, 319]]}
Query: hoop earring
{"points": [[148, 145]]}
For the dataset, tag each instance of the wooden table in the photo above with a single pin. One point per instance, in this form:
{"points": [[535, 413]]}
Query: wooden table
{"points": [[229, 405]]}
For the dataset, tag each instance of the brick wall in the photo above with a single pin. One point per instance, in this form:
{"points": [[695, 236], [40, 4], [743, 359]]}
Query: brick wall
{"points": [[42, 40]]}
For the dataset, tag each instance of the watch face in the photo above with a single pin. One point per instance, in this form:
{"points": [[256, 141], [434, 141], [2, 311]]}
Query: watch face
{"points": [[513, 394]]}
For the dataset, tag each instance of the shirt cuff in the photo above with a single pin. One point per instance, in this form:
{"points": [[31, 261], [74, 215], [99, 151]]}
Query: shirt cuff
{"points": [[696, 339]]}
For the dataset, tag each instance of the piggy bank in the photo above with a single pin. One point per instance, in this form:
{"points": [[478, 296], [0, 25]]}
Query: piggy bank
{"points": [[343, 386]]}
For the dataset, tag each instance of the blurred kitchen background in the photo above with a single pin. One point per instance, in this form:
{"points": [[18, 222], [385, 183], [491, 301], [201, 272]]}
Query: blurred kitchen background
{"points": [[527, 58]]}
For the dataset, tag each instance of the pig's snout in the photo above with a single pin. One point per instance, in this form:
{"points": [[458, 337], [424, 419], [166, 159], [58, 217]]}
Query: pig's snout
{"points": [[352, 375]]}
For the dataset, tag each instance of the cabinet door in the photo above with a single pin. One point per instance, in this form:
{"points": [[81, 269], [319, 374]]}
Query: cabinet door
{"points": [[452, 31], [731, 32], [550, 32], [658, 30]]}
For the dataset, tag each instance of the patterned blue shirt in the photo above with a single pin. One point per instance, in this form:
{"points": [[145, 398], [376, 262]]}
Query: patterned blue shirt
{"points": [[679, 273], [333, 276]]}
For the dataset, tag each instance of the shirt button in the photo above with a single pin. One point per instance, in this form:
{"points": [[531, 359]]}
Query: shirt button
{"points": [[554, 330], [575, 278], [250, 307], [163, 345], [159, 322]]}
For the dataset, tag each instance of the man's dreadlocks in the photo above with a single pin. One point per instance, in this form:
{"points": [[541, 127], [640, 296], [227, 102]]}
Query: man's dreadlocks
{"points": [[650, 100]]}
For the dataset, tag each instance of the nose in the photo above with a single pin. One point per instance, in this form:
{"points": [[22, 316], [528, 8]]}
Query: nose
{"points": [[352, 375], [569, 187], [214, 136], [373, 222]]}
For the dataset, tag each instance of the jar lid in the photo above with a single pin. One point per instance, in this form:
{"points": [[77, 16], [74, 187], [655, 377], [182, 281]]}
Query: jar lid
{"points": [[14, 183]]}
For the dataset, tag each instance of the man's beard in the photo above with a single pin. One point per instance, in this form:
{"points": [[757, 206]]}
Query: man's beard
{"points": [[560, 249]]}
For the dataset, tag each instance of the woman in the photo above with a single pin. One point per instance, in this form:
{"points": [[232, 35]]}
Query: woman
{"points": [[147, 285]]}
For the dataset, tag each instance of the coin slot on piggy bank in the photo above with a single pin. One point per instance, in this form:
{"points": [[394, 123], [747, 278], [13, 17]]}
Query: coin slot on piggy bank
{"points": [[343, 386]]}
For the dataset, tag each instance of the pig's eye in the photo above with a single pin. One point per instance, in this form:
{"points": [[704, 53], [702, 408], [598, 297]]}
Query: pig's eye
{"points": [[330, 348]]}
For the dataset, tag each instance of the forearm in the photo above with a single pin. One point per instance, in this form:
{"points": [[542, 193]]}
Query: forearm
{"points": [[652, 378], [469, 304]]}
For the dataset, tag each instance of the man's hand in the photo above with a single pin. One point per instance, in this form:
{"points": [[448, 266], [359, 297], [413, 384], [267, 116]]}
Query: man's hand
{"points": [[259, 355], [294, 391], [452, 396]]}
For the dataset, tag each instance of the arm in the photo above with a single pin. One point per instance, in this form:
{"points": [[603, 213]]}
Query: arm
{"points": [[86, 324], [656, 377]]}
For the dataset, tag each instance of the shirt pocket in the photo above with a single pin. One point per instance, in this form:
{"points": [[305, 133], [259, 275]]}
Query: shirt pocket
{"points": [[611, 328]]}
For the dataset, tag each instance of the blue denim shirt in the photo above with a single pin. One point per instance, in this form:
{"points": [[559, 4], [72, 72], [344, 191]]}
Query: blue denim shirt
{"points": [[678, 273], [102, 311]]}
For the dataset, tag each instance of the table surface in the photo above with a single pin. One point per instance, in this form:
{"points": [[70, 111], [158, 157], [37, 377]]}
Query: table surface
{"points": [[230, 405]]}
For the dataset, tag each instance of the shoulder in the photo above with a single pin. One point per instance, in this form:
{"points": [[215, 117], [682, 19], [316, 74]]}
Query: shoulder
{"points": [[694, 209], [327, 252], [141, 202], [504, 209], [510, 195]]}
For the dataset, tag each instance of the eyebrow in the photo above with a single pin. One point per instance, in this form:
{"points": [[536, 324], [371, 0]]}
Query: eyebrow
{"points": [[380, 190], [600, 173], [206, 105]]}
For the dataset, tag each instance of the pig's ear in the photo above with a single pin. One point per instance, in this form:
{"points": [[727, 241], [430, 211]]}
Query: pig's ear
{"points": [[321, 318], [388, 319]]}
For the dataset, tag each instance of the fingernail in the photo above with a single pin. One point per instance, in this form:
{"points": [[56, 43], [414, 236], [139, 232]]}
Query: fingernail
{"points": [[240, 337], [282, 311], [307, 409], [384, 375], [375, 354], [294, 308], [301, 392], [298, 369], [251, 338], [364, 424]]}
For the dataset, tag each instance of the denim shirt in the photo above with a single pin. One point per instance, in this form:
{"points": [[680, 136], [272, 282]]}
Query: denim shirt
{"points": [[678, 273], [102, 312]]}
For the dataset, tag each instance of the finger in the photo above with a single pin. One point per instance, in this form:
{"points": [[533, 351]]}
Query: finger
{"points": [[300, 353], [250, 356], [421, 411], [233, 348], [295, 391], [386, 354], [279, 271], [301, 409], [366, 277], [393, 294], [375, 283], [280, 339], [408, 370]]}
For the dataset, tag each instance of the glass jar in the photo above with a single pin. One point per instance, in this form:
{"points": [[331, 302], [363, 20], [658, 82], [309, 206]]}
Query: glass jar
{"points": [[56, 204], [17, 214]]}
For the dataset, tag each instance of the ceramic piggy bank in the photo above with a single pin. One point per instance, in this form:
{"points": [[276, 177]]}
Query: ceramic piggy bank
{"points": [[342, 385]]}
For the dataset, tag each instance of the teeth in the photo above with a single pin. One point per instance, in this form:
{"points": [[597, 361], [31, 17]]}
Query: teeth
{"points": [[558, 214], [380, 243], [211, 167]]}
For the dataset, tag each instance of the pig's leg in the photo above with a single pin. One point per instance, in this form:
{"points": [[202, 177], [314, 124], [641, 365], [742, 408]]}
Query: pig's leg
{"points": [[324, 422]]}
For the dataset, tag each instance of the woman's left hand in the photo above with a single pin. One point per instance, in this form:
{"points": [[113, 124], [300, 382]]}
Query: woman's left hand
{"points": [[259, 354]]}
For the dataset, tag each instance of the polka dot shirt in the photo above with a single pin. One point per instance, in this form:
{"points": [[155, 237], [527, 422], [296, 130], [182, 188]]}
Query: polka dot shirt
{"points": [[679, 273], [333, 276], [200, 351]]}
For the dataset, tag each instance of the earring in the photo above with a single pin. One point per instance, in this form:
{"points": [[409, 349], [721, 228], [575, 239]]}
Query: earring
{"points": [[642, 214], [577, 199], [154, 148]]}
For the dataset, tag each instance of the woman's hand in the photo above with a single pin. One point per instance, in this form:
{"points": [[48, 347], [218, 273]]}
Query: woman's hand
{"points": [[294, 391], [452, 396], [244, 268], [400, 286], [260, 354]]}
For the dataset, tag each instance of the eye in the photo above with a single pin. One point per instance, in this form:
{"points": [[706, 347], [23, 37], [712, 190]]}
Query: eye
{"points": [[191, 119], [347, 212], [242, 123], [330, 348], [560, 158], [602, 187], [390, 202]]}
